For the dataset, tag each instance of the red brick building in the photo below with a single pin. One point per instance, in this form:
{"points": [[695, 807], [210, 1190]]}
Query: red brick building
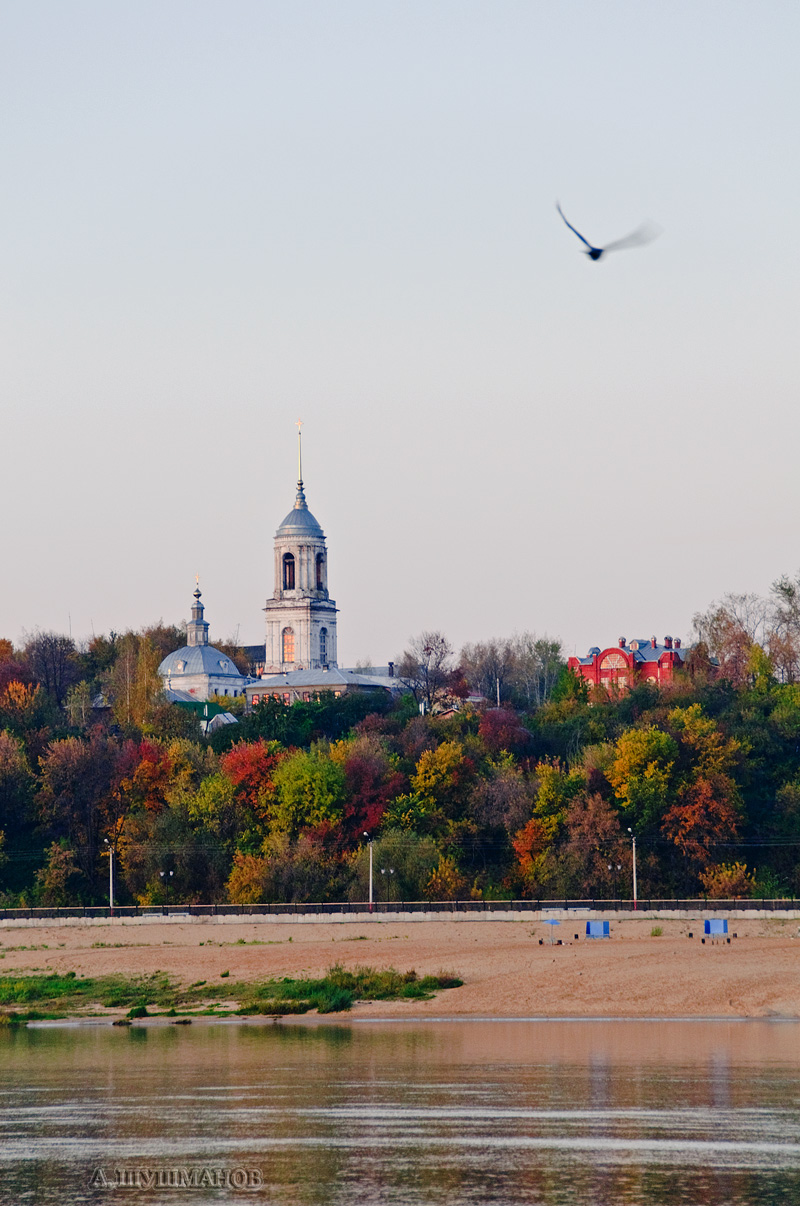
{"points": [[628, 663]]}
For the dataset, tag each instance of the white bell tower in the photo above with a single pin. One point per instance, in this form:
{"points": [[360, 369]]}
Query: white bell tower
{"points": [[301, 617]]}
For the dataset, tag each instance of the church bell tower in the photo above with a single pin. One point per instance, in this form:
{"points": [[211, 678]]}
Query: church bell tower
{"points": [[301, 617]]}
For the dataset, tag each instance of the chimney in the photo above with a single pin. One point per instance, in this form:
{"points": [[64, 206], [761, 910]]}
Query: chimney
{"points": [[653, 643], [668, 642], [391, 669], [622, 642], [677, 642]]}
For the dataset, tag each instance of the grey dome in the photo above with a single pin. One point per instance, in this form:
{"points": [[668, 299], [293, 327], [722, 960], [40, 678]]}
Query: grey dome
{"points": [[198, 659], [300, 521]]}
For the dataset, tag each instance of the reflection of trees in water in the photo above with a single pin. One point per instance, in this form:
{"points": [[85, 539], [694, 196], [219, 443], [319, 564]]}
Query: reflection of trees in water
{"points": [[280, 1032]]}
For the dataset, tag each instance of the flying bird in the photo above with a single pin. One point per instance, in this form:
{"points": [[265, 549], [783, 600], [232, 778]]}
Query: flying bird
{"points": [[643, 234]]}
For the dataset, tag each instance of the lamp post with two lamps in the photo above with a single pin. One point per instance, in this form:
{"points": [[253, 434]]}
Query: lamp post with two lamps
{"points": [[616, 868], [387, 873], [166, 876]]}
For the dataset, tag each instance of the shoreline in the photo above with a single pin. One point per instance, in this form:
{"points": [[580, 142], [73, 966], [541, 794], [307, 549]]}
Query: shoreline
{"points": [[156, 1021], [511, 969]]}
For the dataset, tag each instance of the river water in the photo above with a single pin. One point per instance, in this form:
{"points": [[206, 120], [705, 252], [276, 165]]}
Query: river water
{"points": [[579, 1113]]}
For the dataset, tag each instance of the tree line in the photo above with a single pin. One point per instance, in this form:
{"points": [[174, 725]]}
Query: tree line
{"points": [[496, 775]]}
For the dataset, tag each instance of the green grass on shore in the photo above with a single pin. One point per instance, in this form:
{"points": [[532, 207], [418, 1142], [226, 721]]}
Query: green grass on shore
{"points": [[33, 997]]}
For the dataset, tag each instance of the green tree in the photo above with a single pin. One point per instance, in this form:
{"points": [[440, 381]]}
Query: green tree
{"points": [[310, 790]]}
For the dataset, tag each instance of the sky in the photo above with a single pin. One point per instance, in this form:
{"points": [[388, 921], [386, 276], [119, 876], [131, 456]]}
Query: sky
{"points": [[218, 218]]}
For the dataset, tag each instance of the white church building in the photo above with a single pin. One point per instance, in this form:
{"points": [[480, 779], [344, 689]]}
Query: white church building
{"points": [[299, 659], [198, 670]]}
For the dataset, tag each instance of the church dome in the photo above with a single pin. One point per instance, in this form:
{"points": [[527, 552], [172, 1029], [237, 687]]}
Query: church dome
{"points": [[300, 521], [198, 659]]}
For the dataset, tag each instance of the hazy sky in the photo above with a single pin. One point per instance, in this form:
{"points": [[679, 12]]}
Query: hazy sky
{"points": [[220, 217]]}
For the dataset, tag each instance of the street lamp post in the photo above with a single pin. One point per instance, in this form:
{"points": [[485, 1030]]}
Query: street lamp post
{"points": [[616, 868], [369, 839], [633, 841], [387, 872], [110, 876]]}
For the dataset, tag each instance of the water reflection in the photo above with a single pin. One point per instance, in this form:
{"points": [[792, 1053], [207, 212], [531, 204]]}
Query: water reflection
{"points": [[543, 1113]]}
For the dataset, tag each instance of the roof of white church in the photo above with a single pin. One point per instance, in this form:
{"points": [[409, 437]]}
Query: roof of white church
{"points": [[300, 521], [198, 659], [328, 679]]}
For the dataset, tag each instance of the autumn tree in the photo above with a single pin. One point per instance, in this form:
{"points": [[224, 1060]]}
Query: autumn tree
{"points": [[371, 780], [60, 882], [133, 682], [17, 785], [24, 709], [538, 663], [79, 705], [727, 881], [428, 669], [443, 777], [54, 662], [707, 805], [729, 630], [250, 767], [488, 667], [501, 729], [643, 774], [784, 639], [502, 799], [595, 846], [80, 782]]}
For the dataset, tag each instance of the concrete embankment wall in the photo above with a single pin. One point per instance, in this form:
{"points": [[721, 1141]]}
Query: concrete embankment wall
{"points": [[395, 918]]}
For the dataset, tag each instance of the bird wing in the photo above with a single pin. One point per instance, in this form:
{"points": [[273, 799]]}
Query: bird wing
{"points": [[574, 231], [637, 238]]}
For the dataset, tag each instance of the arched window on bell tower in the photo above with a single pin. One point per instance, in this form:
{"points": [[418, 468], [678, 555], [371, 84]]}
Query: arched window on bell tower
{"points": [[288, 572], [323, 646], [288, 645], [320, 571]]}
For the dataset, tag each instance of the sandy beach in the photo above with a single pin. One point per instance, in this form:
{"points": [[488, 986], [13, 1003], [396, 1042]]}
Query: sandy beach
{"points": [[509, 968]]}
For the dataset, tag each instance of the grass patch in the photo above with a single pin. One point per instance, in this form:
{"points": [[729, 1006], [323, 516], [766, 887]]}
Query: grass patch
{"points": [[64, 995], [339, 989], [32, 997], [656, 931]]}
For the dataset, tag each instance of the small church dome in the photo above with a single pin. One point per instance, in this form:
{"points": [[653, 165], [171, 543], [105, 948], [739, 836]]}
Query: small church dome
{"points": [[197, 659]]}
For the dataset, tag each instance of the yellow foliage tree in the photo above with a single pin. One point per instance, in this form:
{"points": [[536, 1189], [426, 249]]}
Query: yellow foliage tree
{"points": [[246, 880], [440, 774], [20, 701], [642, 772], [727, 881], [446, 881]]}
